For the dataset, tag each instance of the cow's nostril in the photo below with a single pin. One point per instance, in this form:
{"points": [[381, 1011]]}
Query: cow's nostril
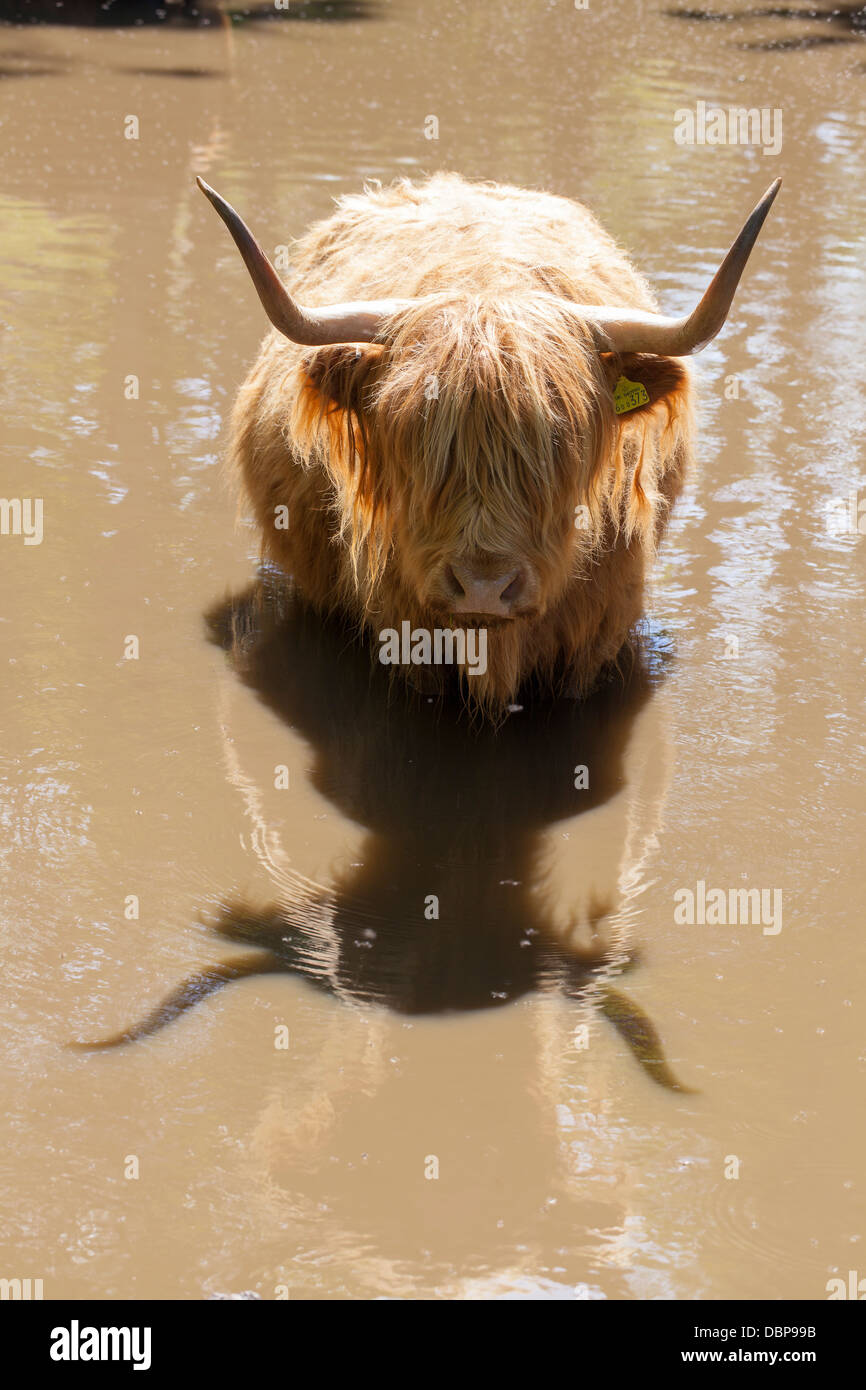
{"points": [[455, 588], [513, 589]]}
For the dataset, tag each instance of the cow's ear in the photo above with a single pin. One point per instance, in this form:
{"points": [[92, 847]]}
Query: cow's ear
{"points": [[651, 396], [341, 375], [640, 380], [334, 405]]}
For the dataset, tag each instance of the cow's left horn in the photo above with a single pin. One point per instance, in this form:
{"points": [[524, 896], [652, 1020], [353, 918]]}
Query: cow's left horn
{"points": [[339, 323], [635, 331]]}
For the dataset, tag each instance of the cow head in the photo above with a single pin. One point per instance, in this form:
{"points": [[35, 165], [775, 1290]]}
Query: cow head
{"points": [[473, 447], [475, 442]]}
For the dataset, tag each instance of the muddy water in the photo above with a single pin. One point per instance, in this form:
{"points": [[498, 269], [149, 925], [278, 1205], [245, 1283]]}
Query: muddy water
{"points": [[547, 1090]]}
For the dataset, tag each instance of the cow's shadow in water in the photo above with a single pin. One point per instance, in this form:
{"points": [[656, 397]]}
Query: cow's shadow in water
{"points": [[455, 814]]}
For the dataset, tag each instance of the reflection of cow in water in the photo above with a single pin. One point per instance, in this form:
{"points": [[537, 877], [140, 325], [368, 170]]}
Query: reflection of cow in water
{"points": [[449, 907]]}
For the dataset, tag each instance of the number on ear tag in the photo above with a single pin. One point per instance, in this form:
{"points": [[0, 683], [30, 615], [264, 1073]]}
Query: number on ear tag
{"points": [[628, 395]]}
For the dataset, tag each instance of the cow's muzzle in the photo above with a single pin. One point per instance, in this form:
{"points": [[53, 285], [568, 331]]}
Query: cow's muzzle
{"points": [[488, 587]]}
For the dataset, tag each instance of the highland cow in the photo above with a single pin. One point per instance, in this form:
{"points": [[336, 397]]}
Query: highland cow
{"points": [[486, 426]]}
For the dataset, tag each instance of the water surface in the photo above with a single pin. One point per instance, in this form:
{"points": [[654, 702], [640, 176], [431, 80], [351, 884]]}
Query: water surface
{"points": [[517, 1040]]}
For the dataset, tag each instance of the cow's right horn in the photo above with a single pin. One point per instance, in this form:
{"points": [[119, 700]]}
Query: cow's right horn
{"points": [[339, 323], [632, 330]]}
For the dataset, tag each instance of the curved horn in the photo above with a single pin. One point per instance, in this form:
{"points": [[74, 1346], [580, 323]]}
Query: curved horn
{"points": [[339, 323], [635, 331]]}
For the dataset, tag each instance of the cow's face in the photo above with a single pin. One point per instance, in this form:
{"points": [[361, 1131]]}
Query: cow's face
{"points": [[479, 451]]}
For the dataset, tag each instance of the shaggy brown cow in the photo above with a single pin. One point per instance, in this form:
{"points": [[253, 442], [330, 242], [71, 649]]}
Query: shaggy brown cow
{"points": [[498, 447]]}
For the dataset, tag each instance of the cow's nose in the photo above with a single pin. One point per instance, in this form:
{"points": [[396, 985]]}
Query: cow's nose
{"points": [[474, 589]]}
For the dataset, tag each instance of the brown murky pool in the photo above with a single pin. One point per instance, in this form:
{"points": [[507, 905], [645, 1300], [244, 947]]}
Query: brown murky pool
{"points": [[558, 1088]]}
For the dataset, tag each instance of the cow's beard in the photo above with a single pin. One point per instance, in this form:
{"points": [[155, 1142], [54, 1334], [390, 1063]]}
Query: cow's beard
{"points": [[558, 649], [518, 652], [486, 692], [490, 691]]}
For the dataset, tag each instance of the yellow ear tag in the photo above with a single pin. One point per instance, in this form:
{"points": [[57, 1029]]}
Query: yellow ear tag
{"points": [[628, 395]]}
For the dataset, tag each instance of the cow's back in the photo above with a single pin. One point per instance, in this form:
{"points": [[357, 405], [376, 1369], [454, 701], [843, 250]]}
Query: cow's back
{"points": [[412, 239]]}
